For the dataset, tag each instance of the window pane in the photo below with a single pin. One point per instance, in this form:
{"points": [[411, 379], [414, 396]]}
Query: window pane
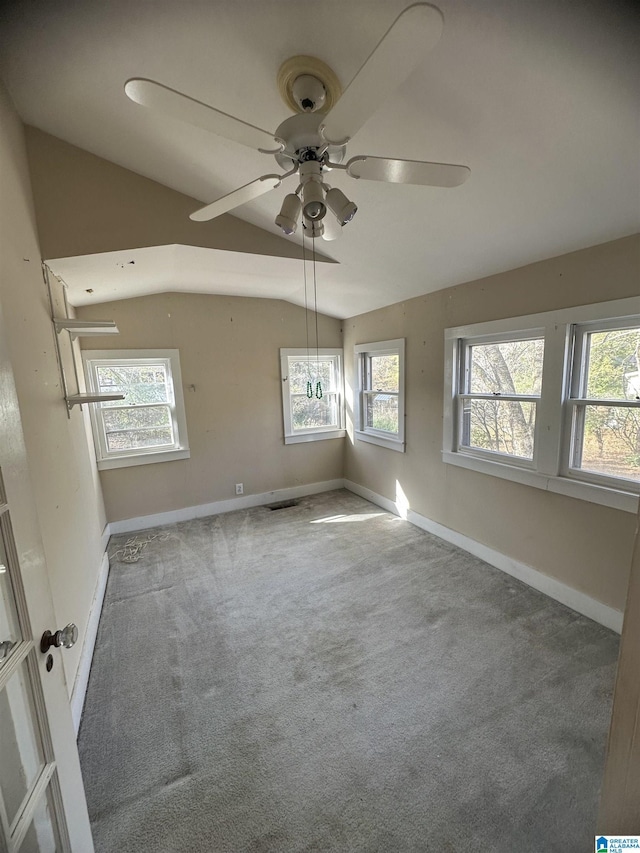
{"points": [[116, 420], [382, 412], [139, 383], [128, 429], [135, 438], [307, 413], [611, 443], [613, 371], [499, 425], [511, 367], [385, 371], [311, 370], [9, 628], [21, 755], [42, 835]]}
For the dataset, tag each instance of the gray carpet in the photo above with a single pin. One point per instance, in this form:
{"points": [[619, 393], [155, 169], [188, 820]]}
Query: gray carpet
{"points": [[330, 678]]}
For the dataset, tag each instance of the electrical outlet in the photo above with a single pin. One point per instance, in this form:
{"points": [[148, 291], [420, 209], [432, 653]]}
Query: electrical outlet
{"points": [[239, 488]]}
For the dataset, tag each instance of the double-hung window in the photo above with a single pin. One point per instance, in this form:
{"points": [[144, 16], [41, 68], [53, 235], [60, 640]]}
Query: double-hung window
{"points": [[500, 386], [149, 424], [604, 402], [550, 400], [379, 415], [312, 394]]}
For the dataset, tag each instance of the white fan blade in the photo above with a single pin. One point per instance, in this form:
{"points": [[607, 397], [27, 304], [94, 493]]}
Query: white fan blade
{"points": [[236, 198], [172, 103], [407, 171], [407, 41]]}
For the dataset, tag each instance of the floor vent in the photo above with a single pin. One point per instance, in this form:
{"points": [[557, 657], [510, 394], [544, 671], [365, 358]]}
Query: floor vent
{"points": [[283, 504]]}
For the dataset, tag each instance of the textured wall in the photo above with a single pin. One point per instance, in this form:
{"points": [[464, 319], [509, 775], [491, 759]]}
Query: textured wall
{"points": [[584, 545], [229, 355]]}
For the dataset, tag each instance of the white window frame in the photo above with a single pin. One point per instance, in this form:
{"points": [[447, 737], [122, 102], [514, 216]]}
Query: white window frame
{"points": [[170, 358], [550, 469], [575, 400], [363, 432], [295, 436], [464, 344]]}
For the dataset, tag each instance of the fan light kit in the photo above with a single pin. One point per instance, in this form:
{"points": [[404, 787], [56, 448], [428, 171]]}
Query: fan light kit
{"points": [[312, 143]]}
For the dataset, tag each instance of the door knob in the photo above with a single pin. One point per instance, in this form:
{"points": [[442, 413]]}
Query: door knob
{"points": [[66, 638]]}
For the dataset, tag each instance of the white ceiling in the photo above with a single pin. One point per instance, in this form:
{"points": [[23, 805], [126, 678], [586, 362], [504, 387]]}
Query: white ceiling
{"points": [[540, 99], [161, 269]]}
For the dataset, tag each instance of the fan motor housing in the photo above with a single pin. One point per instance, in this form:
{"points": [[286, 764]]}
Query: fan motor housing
{"points": [[301, 133]]}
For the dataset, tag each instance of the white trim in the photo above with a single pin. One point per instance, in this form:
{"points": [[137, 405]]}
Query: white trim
{"points": [[570, 597], [142, 459], [142, 522], [299, 438], [573, 488], [336, 356], [79, 691], [170, 358], [549, 469], [104, 539], [617, 308], [577, 401], [374, 497], [381, 440]]}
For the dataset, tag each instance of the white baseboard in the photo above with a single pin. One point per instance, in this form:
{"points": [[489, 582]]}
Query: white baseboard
{"points": [[374, 497], [86, 656], [106, 535], [142, 522], [573, 598]]}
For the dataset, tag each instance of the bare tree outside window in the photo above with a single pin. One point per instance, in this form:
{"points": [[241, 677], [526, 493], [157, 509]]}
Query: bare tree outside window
{"points": [[503, 382], [143, 418]]}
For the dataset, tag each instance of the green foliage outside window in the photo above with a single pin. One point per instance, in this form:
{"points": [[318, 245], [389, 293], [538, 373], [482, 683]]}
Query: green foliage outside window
{"points": [[381, 409], [612, 433]]}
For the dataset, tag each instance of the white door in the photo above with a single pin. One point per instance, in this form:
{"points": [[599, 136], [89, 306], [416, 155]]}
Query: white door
{"points": [[42, 802]]}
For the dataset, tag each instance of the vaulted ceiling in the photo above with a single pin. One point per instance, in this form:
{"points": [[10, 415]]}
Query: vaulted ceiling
{"points": [[539, 99]]}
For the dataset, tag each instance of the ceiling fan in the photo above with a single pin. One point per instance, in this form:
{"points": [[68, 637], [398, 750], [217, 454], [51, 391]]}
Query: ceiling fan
{"points": [[313, 142]]}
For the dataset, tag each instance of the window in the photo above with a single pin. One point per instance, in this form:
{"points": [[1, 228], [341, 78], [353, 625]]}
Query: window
{"points": [[379, 416], [312, 396], [604, 404], [500, 391], [149, 425], [551, 400]]}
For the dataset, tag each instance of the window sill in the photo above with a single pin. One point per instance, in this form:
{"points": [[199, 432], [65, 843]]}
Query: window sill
{"points": [[615, 498], [381, 440], [314, 436], [143, 459]]}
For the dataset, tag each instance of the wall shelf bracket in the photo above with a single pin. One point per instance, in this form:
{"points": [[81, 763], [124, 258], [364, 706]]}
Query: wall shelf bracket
{"points": [[76, 329]]}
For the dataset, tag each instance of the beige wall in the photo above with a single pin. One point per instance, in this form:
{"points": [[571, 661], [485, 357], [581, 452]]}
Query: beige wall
{"points": [[69, 504], [584, 545], [229, 354], [86, 205]]}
